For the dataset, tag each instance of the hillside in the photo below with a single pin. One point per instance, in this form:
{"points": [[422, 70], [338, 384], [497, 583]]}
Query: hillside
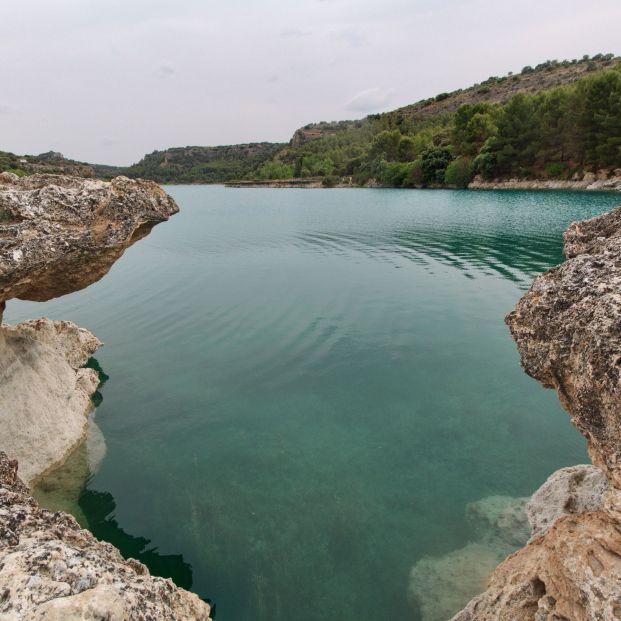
{"points": [[554, 121], [50, 162], [200, 164]]}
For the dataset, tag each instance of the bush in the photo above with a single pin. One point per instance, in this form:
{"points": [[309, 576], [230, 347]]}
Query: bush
{"points": [[557, 170], [392, 173], [275, 170], [459, 173], [414, 175], [329, 181], [434, 162]]}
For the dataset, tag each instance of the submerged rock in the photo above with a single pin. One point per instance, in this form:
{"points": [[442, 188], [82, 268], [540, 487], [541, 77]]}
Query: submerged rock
{"points": [[51, 569], [439, 586], [568, 332]]}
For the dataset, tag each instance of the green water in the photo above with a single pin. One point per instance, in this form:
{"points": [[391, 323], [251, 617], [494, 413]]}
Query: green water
{"points": [[307, 387]]}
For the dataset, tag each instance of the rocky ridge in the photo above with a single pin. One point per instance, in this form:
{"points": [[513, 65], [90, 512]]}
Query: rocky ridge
{"points": [[58, 235], [568, 332]]}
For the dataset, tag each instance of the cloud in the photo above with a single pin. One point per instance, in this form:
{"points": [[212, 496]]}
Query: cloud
{"points": [[6, 109], [369, 100]]}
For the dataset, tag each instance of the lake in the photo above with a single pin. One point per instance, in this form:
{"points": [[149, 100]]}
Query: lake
{"points": [[306, 388]]}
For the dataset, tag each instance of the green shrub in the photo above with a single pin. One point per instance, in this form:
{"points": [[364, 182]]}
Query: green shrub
{"points": [[434, 162], [557, 170], [275, 170], [459, 173], [329, 181]]}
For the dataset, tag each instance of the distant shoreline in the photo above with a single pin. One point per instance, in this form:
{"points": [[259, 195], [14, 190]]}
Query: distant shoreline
{"points": [[588, 184]]}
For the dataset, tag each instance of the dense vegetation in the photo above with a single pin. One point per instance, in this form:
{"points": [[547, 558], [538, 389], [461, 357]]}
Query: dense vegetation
{"points": [[555, 132], [203, 164]]}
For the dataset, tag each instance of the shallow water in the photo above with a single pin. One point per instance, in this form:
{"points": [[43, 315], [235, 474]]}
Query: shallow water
{"points": [[306, 388]]}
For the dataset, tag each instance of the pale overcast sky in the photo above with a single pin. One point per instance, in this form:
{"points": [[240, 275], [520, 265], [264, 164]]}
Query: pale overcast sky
{"points": [[109, 80]]}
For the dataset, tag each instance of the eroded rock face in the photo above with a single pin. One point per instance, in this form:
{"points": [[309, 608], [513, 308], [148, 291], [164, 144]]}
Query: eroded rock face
{"points": [[44, 391], [60, 234], [568, 332], [52, 570]]}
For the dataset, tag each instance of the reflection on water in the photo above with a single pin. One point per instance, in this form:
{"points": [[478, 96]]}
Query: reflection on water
{"points": [[308, 388], [100, 509]]}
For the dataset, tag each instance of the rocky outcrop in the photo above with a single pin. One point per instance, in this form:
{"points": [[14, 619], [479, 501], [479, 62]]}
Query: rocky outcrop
{"points": [[52, 570], [60, 234], [568, 332]]}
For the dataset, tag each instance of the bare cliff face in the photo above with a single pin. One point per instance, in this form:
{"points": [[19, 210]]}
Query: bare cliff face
{"points": [[568, 332]]}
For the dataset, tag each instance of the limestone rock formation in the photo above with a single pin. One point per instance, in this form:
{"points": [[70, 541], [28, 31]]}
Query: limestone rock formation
{"points": [[569, 491], [60, 234], [44, 392], [589, 181], [568, 332], [52, 570]]}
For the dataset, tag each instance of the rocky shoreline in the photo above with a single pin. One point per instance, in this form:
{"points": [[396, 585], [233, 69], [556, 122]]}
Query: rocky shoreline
{"points": [[589, 182], [58, 235], [602, 182], [567, 329]]}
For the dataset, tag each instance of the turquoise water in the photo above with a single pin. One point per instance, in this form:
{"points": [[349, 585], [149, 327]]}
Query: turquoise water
{"points": [[307, 387]]}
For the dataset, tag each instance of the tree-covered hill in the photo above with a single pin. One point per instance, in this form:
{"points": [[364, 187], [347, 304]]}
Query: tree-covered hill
{"points": [[556, 120], [200, 164]]}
